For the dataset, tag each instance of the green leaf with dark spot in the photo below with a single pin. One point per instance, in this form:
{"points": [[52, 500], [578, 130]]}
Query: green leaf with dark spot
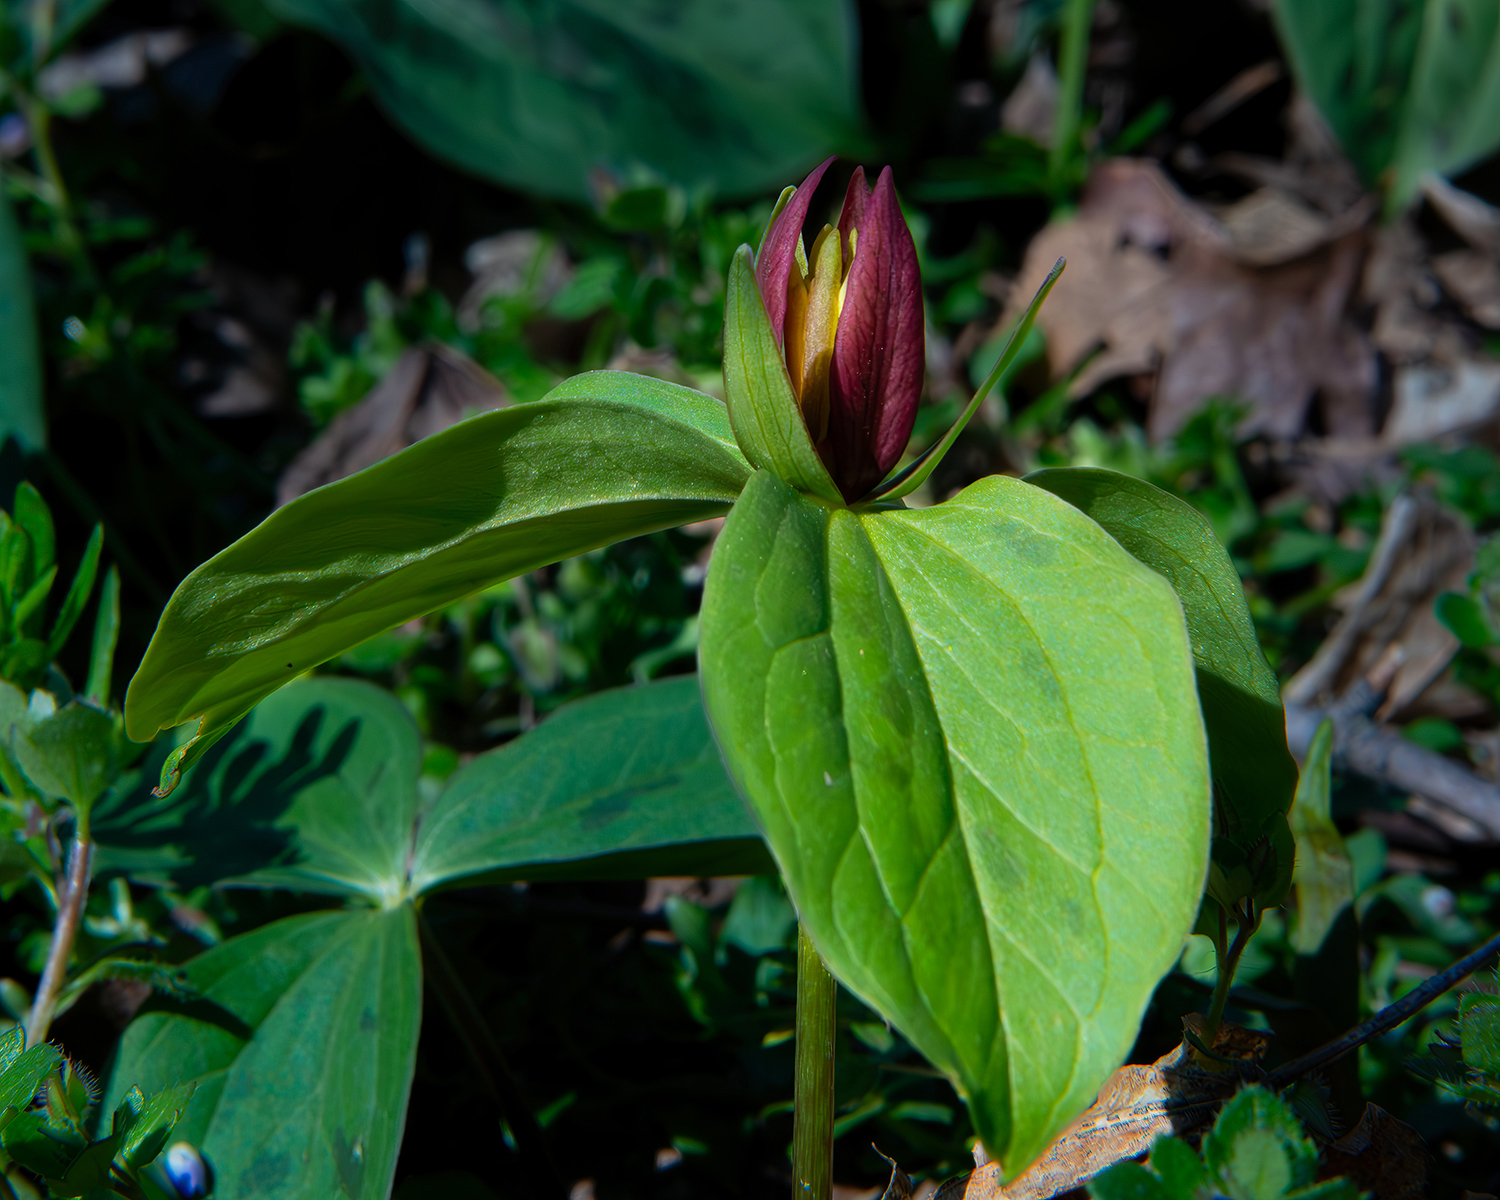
{"points": [[1253, 771], [965, 729], [302, 1046], [494, 496], [625, 784], [317, 791]]}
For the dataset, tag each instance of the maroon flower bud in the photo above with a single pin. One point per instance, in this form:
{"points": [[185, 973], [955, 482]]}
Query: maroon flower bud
{"points": [[848, 317]]}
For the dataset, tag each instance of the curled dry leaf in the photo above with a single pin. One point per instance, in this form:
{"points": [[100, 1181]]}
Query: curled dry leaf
{"points": [[1250, 303], [1174, 1095], [1383, 1156], [430, 388]]}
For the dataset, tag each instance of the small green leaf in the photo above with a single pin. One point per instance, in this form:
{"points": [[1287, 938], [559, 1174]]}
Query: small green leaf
{"points": [[1479, 1033], [302, 1048], [23, 1076], [624, 784], [763, 409], [21, 413], [106, 633], [78, 594], [29, 1140], [74, 755], [494, 496], [964, 728], [1254, 773], [1181, 1170], [1257, 1149], [1465, 619], [1324, 876], [1132, 1181], [32, 514]]}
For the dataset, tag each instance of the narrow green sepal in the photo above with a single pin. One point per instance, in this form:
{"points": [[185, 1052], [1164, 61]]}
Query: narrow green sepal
{"points": [[763, 409], [908, 480]]}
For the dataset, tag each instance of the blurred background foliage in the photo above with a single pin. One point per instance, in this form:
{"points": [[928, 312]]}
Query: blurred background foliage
{"points": [[248, 247]]}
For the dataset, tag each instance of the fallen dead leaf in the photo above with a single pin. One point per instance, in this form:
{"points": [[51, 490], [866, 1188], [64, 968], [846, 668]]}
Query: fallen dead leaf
{"points": [[1251, 302], [430, 388], [1136, 1106], [1383, 1156]]}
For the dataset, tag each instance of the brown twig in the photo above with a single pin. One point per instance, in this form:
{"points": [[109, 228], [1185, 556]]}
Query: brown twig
{"points": [[1387, 1018], [1385, 756], [72, 894]]}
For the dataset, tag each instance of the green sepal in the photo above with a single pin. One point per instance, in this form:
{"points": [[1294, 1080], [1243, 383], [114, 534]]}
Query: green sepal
{"points": [[763, 409]]}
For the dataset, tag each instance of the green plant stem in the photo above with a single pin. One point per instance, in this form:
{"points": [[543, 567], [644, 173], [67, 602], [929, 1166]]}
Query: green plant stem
{"points": [[1227, 959], [1072, 63], [489, 1060], [812, 1121], [72, 894], [39, 122]]}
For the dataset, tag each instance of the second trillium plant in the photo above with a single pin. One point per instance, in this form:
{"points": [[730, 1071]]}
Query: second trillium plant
{"points": [[970, 733]]}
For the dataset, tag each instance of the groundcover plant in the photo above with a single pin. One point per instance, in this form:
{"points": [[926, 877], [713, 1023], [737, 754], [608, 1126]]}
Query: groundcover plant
{"points": [[976, 737]]}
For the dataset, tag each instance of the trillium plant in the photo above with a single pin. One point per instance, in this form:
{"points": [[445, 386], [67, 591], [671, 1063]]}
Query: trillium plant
{"points": [[997, 746]]}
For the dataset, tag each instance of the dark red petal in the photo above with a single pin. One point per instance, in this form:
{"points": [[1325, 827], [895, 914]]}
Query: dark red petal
{"points": [[879, 350], [853, 214], [778, 250]]}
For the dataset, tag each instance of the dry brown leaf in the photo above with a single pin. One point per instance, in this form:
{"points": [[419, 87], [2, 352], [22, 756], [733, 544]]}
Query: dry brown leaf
{"points": [[1389, 635], [1138, 1104], [1383, 1156], [1473, 279], [429, 389], [1156, 283], [1433, 399]]}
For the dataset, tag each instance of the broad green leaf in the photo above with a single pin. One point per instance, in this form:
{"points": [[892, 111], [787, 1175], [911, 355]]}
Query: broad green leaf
{"points": [[625, 784], [768, 422], [966, 730], [1408, 88], [698, 410], [1253, 771], [302, 1046], [543, 95], [317, 791], [490, 498], [21, 363]]}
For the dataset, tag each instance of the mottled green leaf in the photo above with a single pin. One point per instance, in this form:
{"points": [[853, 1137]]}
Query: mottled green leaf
{"points": [[624, 784], [302, 1047], [492, 497], [965, 729], [1253, 771], [21, 412], [317, 791], [542, 95]]}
